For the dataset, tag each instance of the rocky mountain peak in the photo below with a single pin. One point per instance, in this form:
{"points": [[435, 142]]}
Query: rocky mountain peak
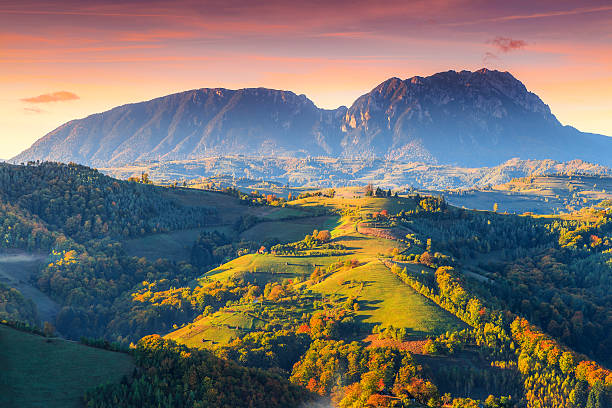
{"points": [[468, 118]]}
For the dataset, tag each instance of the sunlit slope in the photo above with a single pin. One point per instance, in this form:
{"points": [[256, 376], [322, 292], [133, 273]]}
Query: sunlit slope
{"points": [[383, 298]]}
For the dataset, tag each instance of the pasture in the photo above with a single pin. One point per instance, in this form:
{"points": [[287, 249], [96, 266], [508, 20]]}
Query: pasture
{"points": [[41, 372], [386, 300]]}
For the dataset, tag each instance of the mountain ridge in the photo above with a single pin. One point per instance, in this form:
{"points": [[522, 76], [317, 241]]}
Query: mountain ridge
{"points": [[466, 118]]}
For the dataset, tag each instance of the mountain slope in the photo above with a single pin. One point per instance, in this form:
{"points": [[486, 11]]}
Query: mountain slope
{"points": [[465, 118], [195, 123]]}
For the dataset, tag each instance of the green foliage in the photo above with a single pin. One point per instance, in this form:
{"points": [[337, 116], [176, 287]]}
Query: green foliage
{"points": [[213, 248], [317, 241], [390, 332], [171, 375], [356, 373], [14, 307], [278, 349], [84, 204]]}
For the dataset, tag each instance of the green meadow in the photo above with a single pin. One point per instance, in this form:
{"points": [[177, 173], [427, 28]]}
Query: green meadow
{"points": [[51, 372], [383, 298]]}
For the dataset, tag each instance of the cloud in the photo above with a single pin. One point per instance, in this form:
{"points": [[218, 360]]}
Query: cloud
{"points": [[505, 44], [582, 10], [33, 110], [59, 96]]}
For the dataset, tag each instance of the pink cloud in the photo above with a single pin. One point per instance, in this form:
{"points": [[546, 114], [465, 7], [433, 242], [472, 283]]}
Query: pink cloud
{"points": [[505, 44], [581, 10], [159, 35], [33, 110], [59, 96]]}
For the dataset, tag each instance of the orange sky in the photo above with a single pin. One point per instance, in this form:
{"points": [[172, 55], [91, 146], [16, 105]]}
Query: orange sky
{"points": [[68, 60]]}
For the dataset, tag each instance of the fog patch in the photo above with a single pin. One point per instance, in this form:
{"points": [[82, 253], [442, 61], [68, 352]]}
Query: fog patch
{"points": [[20, 257]]}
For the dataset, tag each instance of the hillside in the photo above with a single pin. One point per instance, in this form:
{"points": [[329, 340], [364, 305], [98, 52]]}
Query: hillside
{"points": [[73, 238], [38, 371], [352, 296], [398, 271], [461, 118], [538, 194], [383, 299]]}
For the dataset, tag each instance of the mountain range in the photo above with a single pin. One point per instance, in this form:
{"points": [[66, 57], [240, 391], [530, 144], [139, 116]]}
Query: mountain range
{"points": [[464, 118]]}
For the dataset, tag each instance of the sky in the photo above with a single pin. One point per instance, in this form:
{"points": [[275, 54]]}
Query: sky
{"points": [[65, 60]]}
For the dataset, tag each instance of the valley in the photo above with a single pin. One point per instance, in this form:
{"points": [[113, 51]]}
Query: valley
{"points": [[431, 301], [546, 194], [17, 270], [311, 204]]}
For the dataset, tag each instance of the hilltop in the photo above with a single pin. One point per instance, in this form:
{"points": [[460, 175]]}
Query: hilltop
{"points": [[462, 118]]}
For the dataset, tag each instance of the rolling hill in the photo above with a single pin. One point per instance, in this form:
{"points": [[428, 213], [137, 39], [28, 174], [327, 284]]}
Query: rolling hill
{"points": [[43, 372], [263, 173], [463, 118], [394, 297]]}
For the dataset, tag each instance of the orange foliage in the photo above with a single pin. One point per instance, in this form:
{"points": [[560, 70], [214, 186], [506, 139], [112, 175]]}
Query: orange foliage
{"points": [[312, 385], [379, 400], [592, 373]]}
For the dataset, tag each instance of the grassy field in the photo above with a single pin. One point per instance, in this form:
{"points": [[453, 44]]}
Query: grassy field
{"points": [[280, 213], [40, 372], [382, 297], [218, 328], [353, 197], [175, 245], [386, 300], [289, 230], [271, 267], [285, 223]]}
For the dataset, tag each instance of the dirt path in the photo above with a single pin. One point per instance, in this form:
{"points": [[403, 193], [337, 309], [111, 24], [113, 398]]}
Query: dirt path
{"points": [[16, 269]]}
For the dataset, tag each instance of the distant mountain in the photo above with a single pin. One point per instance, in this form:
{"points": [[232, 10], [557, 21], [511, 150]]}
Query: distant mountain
{"points": [[463, 118], [197, 123]]}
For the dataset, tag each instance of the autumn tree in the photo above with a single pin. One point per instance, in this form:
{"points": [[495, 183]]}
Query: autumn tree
{"points": [[324, 236]]}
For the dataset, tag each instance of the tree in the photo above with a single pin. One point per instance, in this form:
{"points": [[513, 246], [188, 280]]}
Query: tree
{"points": [[369, 190], [566, 362], [426, 259], [596, 396], [324, 236], [48, 329]]}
